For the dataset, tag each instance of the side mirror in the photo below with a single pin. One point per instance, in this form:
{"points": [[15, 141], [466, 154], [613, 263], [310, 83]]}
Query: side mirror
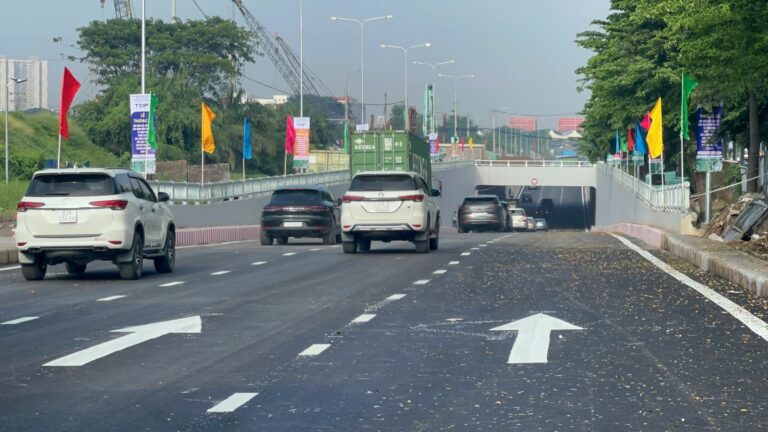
{"points": [[338, 202], [436, 193], [163, 197]]}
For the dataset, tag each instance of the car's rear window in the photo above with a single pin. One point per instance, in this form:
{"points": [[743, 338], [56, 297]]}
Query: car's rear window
{"points": [[76, 185], [363, 183], [518, 213], [296, 196]]}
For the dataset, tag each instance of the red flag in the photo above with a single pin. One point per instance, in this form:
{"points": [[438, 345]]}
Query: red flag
{"points": [[631, 139], [290, 134], [69, 86], [437, 143], [646, 123], [461, 141]]}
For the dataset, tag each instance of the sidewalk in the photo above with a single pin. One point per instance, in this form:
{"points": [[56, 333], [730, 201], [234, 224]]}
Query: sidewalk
{"points": [[718, 258]]}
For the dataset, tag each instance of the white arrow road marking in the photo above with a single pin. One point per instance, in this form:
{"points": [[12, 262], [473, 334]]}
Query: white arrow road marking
{"points": [[532, 342], [421, 282], [232, 403], [466, 253], [10, 268], [219, 273], [258, 263], [439, 272], [453, 263], [395, 296], [364, 318], [170, 284], [19, 320], [114, 297], [314, 350], [138, 334]]}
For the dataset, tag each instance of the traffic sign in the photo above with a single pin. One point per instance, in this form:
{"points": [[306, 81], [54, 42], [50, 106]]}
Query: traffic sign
{"points": [[534, 181]]}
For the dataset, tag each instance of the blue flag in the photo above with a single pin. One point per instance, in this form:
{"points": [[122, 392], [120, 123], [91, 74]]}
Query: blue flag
{"points": [[246, 139], [618, 144], [640, 145]]}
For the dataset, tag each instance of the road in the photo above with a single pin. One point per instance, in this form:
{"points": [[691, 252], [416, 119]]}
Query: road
{"points": [[406, 341]]}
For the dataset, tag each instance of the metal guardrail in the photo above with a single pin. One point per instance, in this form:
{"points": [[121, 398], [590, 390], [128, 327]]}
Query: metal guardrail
{"points": [[668, 198], [534, 164], [223, 191]]}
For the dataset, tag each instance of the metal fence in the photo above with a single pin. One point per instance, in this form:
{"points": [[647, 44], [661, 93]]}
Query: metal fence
{"points": [[534, 163], [670, 198]]}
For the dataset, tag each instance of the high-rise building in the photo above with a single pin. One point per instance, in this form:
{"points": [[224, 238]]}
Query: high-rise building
{"points": [[30, 94]]}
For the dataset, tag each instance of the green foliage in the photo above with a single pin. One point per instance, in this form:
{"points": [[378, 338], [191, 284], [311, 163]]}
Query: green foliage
{"points": [[10, 195]]}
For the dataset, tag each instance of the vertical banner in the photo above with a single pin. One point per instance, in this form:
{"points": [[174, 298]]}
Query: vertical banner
{"points": [[140, 149], [709, 148], [433, 150], [301, 148]]}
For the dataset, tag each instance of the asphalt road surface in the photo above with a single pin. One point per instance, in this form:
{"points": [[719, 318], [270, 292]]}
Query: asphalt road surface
{"points": [[304, 338]]}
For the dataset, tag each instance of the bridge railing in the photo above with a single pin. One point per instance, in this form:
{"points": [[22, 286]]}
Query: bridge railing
{"points": [[668, 198], [534, 163]]}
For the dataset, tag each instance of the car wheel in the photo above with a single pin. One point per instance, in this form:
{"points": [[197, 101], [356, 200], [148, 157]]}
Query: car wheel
{"points": [[281, 240], [132, 270], [434, 242], [338, 238], [364, 245], [349, 247], [266, 239], [35, 271], [75, 268], [167, 262], [328, 238]]}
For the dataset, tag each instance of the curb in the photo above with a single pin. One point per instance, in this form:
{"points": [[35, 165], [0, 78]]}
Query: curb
{"points": [[719, 259]]}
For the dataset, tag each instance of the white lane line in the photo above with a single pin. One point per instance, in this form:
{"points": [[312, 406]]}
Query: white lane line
{"points": [[314, 350], [114, 297], [466, 253], [441, 271], [170, 284], [483, 245], [289, 254], [315, 249], [475, 248], [258, 263], [10, 268], [19, 320], [396, 297], [752, 322], [219, 273], [364, 318], [453, 263], [421, 282], [232, 403]]}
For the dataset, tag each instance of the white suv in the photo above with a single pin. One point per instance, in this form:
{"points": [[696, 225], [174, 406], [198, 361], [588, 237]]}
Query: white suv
{"points": [[387, 205], [76, 216]]}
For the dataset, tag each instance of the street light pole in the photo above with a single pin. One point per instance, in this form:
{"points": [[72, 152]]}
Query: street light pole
{"points": [[405, 56], [7, 147], [455, 98], [434, 66], [362, 23]]}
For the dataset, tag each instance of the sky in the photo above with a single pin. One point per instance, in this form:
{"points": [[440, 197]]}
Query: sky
{"points": [[522, 52]]}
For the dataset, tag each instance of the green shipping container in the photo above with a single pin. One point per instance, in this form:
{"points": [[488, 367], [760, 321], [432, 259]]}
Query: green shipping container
{"points": [[390, 151]]}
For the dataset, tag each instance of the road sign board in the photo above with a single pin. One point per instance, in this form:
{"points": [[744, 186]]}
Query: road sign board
{"points": [[534, 181]]}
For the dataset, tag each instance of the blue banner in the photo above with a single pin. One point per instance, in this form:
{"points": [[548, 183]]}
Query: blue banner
{"points": [[709, 147]]}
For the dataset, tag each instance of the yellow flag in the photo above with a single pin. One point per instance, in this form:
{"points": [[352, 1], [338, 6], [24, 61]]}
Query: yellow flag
{"points": [[655, 133], [471, 143], [206, 135]]}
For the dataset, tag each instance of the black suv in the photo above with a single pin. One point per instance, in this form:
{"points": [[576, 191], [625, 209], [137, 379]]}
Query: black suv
{"points": [[546, 208], [483, 212], [300, 211]]}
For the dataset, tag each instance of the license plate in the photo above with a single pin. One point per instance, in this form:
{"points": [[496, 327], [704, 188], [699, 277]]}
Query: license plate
{"points": [[67, 216], [381, 206], [292, 224]]}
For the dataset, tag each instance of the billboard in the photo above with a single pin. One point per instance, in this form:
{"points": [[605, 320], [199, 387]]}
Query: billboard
{"points": [[523, 123], [301, 147], [569, 123], [142, 155]]}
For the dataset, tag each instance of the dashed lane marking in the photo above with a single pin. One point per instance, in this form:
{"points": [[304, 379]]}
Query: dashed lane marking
{"points": [[219, 273], [453, 263], [170, 284], [396, 296], [232, 403], [114, 297], [364, 318], [258, 263], [19, 320], [758, 326], [466, 253], [10, 268], [483, 245], [314, 350], [315, 249], [439, 272], [289, 254], [475, 248], [421, 282]]}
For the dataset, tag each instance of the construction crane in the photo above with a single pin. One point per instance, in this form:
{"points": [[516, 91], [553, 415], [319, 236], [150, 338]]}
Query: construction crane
{"points": [[293, 60], [123, 9]]}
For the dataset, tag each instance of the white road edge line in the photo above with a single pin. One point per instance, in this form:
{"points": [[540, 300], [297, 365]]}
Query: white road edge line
{"points": [[114, 297], [364, 318], [421, 282], [314, 350], [258, 263], [10, 268], [453, 263], [396, 296], [219, 273], [19, 320], [758, 326], [170, 284], [232, 403], [441, 271]]}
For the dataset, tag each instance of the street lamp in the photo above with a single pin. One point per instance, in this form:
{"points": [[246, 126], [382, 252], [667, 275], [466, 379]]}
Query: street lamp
{"points": [[433, 66], [362, 53], [494, 111], [456, 79], [7, 84], [405, 53]]}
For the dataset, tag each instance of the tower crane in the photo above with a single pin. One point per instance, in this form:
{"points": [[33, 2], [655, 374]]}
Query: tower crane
{"points": [[123, 9]]}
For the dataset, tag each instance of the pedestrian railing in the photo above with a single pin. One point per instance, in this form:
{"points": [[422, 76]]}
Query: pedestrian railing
{"points": [[669, 198], [534, 164]]}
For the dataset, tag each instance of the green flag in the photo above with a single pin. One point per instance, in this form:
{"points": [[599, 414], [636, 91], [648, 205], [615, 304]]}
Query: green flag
{"points": [[623, 144], [346, 138], [687, 87], [152, 127]]}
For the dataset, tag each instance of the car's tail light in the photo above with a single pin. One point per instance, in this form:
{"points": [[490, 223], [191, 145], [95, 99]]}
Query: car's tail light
{"points": [[416, 197], [317, 208], [113, 204], [271, 208], [26, 205], [350, 198]]}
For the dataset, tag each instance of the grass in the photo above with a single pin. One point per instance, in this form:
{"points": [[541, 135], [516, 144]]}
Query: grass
{"points": [[10, 195]]}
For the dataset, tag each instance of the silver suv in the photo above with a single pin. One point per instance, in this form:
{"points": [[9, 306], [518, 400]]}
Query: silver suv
{"points": [[386, 206], [76, 216]]}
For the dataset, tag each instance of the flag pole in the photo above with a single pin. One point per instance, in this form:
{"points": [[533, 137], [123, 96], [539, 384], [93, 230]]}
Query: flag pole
{"points": [[243, 168], [285, 164], [58, 152], [202, 172]]}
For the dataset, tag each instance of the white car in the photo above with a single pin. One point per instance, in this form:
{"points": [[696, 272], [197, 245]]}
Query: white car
{"points": [[519, 218], [76, 216], [389, 205]]}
